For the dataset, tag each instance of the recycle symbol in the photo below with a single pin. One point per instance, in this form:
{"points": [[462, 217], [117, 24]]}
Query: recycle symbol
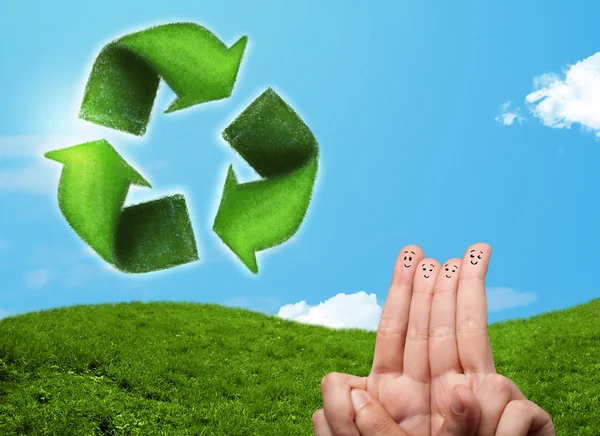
{"points": [[158, 234]]}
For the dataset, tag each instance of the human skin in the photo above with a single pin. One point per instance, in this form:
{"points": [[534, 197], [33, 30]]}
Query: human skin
{"points": [[432, 345]]}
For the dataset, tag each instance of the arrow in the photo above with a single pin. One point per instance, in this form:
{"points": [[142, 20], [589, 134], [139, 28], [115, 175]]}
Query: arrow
{"points": [[280, 147], [122, 86], [141, 238]]}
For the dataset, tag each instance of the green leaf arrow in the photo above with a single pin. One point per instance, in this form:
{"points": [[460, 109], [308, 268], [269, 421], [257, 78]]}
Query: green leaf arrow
{"points": [[280, 147], [122, 86], [140, 238]]}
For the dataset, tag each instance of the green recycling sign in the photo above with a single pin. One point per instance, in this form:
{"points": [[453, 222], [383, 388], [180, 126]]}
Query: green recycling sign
{"points": [[158, 234]]}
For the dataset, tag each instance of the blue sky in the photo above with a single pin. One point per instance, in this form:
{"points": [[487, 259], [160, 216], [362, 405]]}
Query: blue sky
{"points": [[438, 124]]}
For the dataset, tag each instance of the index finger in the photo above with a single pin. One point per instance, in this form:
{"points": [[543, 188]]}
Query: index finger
{"points": [[416, 350], [474, 348], [391, 333]]}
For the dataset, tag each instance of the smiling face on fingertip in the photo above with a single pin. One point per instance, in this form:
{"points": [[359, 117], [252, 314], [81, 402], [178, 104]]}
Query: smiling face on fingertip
{"points": [[408, 257], [428, 270], [450, 270], [475, 256]]}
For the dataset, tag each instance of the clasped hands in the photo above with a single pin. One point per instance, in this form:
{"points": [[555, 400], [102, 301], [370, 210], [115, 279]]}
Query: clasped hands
{"points": [[433, 370]]}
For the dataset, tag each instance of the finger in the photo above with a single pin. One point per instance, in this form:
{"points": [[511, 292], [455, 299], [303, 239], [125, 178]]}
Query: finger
{"points": [[337, 405], [416, 350], [463, 417], [525, 418], [474, 347], [443, 350], [320, 426], [494, 394], [371, 418], [391, 333]]}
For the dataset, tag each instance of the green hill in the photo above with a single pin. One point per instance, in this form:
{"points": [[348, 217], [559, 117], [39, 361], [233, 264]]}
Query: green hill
{"points": [[193, 369]]}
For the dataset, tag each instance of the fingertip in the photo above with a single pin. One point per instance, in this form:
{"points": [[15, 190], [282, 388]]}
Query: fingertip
{"points": [[466, 395], [450, 269], [454, 261], [479, 247], [471, 407], [413, 254], [428, 269], [359, 399], [430, 262], [406, 264], [414, 249], [486, 247], [465, 421], [370, 417], [318, 416], [458, 404]]}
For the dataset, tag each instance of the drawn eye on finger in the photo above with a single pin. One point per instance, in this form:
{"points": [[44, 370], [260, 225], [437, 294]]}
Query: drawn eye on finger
{"points": [[427, 270], [408, 257], [450, 270], [475, 256]]}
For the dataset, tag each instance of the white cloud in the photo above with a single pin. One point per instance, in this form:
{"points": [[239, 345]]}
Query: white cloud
{"points": [[357, 310], [558, 103], [507, 117], [502, 298], [360, 310], [545, 80], [37, 278]]}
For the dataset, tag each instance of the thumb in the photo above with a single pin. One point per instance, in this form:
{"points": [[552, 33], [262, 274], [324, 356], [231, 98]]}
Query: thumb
{"points": [[371, 418], [463, 416]]}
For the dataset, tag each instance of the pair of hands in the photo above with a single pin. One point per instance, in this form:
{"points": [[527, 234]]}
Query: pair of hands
{"points": [[433, 370]]}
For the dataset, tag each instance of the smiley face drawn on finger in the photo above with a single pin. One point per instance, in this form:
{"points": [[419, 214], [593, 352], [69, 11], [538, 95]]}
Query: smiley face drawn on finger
{"points": [[449, 270], [475, 258], [408, 258], [424, 266]]}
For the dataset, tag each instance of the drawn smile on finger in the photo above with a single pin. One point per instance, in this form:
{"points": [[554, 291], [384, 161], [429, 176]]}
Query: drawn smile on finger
{"points": [[408, 257], [424, 266], [449, 270], [472, 255]]}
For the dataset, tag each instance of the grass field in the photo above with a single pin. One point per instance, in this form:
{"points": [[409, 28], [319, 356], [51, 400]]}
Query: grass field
{"points": [[194, 369]]}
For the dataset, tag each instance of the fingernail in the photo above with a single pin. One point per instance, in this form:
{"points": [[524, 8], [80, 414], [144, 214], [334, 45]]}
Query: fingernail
{"points": [[457, 405], [359, 399]]}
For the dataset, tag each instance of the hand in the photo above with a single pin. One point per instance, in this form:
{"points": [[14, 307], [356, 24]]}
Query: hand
{"points": [[518, 418], [399, 380], [397, 384], [460, 354], [373, 420]]}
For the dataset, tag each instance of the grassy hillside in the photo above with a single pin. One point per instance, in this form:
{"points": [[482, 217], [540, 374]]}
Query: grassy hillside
{"points": [[193, 369]]}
